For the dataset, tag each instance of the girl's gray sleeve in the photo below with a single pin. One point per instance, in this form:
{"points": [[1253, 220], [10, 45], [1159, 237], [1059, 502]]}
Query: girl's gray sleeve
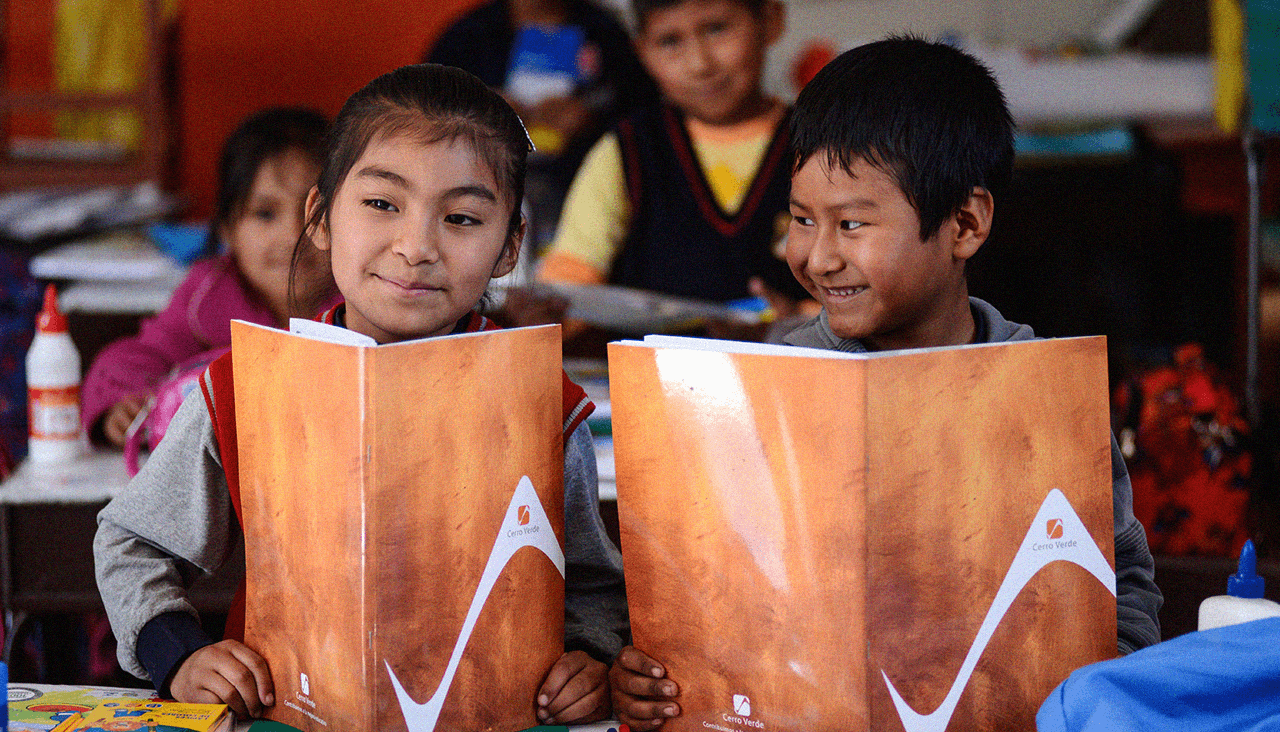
{"points": [[595, 603], [172, 524], [1138, 599]]}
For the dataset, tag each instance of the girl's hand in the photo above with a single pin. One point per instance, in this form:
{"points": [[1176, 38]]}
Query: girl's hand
{"points": [[227, 672], [642, 696], [115, 425], [576, 691]]}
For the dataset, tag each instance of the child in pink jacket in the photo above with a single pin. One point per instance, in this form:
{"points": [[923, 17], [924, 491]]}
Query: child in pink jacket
{"points": [[268, 164]]}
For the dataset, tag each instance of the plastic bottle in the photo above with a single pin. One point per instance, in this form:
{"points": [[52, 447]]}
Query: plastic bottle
{"points": [[1243, 601], [53, 387]]}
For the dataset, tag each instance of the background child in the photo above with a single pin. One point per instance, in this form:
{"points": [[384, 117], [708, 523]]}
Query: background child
{"points": [[268, 164], [417, 207], [688, 198], [564, 121], [901, 148]]}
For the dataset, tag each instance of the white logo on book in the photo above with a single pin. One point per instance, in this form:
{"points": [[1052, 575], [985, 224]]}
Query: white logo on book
{"points": [[741, 705], [306, 683], [1032, 556], [423, 717]]}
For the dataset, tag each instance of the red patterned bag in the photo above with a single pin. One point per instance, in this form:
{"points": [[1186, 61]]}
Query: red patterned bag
{"points": [[1183, 444]]}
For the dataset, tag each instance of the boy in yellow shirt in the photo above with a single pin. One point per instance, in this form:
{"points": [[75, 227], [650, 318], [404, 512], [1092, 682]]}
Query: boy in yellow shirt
{"points": [[688, 198]]}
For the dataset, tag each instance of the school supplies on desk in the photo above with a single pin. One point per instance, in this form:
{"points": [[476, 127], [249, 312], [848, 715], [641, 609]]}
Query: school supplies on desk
{"points": [[846, 542], [150, 715], [403, 515], [41, 707]]}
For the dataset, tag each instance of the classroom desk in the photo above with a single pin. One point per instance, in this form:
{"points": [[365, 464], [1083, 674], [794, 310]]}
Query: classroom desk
{"points": [[48, 516]]}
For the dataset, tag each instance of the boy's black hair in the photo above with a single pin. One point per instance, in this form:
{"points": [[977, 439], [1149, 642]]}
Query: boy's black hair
{"points": [[260, 137], [927, 114], [644, 8]]}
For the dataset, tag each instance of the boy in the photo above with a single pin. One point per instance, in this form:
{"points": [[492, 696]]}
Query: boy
{"points": [[688, 198], [901, 148]]}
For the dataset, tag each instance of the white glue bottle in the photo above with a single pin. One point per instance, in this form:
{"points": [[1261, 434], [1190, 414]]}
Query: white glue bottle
{"points": [[1243, 601], [53, 387]]}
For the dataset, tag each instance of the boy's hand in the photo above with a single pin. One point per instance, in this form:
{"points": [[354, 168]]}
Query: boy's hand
{"points": [[642, 696], [115, 425], [227, 672], [576, 691]]}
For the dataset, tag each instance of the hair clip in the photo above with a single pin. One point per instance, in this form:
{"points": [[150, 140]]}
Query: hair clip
{"points": [[527, 138]]}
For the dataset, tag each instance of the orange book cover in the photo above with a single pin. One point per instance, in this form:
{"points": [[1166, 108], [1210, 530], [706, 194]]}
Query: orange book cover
{"points": [[403, 508], [915, 540]]}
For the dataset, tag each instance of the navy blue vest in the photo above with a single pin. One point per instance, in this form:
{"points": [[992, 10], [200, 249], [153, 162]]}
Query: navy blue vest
{"points": [[680, 241]]}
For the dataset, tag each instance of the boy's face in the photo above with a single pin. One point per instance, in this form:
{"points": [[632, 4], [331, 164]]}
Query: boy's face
{"points": [[854, 244], [708, 55]]}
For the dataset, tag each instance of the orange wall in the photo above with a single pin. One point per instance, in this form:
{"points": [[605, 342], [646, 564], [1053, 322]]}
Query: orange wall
{"points": [[237, 56], [28, 31]]}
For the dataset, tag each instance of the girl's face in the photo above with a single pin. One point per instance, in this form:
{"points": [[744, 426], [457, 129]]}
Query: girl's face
{"points": [[262, 238], [414, 234]]}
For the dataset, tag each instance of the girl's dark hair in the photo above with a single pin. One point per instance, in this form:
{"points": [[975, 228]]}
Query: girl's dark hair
{"points": [[259, 138], [434, 103], [928, 115]]}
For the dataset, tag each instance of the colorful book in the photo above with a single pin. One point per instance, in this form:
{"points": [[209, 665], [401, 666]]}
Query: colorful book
{"points": [[41, 707], [916, 540], [403, 515], [150, 715]]}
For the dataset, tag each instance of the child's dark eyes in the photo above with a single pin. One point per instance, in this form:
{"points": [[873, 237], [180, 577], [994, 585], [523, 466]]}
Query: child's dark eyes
{"points": [[802, 220], [457, 219], [265, 215], [668, 41], [850, 225], [380, 204], [714, 28]]}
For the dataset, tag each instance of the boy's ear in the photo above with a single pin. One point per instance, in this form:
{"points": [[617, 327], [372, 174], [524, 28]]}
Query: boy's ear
{"points": [[511, 252], [775, 21], [973, 223], [319, 234]]}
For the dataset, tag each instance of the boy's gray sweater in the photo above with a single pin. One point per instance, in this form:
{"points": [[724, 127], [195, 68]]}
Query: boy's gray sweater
{"points": [[1137, 597], [175, 523]]}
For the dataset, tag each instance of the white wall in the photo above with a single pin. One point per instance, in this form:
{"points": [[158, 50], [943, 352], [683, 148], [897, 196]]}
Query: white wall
{"points": [[846, 23]]}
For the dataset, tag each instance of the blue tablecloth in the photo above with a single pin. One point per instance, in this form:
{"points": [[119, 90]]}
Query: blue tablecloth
{"points": [[1221, 680]]}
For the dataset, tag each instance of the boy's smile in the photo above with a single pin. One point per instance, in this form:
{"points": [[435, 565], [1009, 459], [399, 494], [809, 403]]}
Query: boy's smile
{"points": [[415, 232], [854, 244], [708, 56]]}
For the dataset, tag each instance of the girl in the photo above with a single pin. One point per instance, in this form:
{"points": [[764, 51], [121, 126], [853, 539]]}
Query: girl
{"points": [[417, 207], [268, 164]]}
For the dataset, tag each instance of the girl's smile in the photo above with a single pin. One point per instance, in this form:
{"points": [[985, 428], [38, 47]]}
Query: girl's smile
{"points": [[415, 233]]}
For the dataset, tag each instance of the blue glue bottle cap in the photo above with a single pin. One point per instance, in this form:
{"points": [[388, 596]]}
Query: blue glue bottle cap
{"points": [[1246, 582]]}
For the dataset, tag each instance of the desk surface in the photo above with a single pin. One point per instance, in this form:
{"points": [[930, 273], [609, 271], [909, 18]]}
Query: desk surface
{"points": [[23, 696], [94, 478]]}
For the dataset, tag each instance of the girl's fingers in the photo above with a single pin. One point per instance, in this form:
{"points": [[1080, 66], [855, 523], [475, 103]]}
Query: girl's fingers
{"points": [[226, 693], [261, 672]]}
